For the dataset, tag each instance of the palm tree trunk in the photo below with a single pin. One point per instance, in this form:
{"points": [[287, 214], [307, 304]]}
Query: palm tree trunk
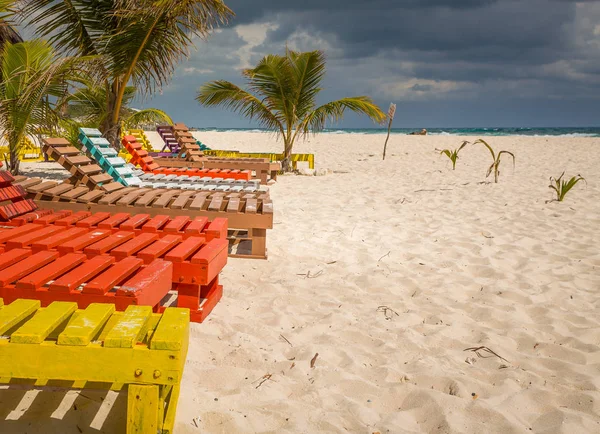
{"points": [[111, 128], [14, 160], [286, 164]]}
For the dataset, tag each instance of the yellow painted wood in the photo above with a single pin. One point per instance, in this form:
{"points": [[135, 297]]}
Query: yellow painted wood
{"points": [[43, 323], [152, 376], [1, 303], [87, 325], [172, 332], [91, 363], [142, 409], [16, 312], [170, 411], [131, 328]]}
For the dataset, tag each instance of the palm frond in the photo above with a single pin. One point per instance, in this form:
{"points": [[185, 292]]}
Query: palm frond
{"points": [[228, 95], [145, 117], [334, 111], [271, 80], [307, 73]]}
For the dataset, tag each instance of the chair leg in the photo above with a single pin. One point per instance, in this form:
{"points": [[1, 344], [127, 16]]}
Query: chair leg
{"points": [[143, 409], [259, 242]]}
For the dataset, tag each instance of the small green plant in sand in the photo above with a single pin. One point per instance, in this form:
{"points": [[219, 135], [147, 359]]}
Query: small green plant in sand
{"points": [[453, 155], [495, 166], [562, 187]]}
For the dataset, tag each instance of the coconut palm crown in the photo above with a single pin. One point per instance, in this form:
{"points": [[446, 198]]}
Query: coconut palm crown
{"points": [[139, 42], [281, 96], [35, 81]]}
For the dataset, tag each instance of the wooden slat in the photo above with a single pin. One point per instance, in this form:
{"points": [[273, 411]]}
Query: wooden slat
{"points": [[28, 182], [198, 202], [87, 325], [131, 197], [59, 189], [233, 205], [114, 196], [112, 186], [78, 160], [251, 206], [43, 323], [131, 328], [75, 193], [16, 312], [41, 186], [182, 200], [147, 198], [91, 196], [99, 179], [89, 169], [164, 199], [172, 331]]}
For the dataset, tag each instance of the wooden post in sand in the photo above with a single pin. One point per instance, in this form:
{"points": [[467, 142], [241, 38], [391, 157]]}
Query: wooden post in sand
{"points": [[391, 113]]}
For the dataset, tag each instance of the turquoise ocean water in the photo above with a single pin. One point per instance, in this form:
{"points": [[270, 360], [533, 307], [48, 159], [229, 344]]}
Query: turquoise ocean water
{"points": [[564, 132]]}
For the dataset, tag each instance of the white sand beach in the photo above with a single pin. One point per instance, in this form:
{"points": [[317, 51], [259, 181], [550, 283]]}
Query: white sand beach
{"points": [[389, 271]]}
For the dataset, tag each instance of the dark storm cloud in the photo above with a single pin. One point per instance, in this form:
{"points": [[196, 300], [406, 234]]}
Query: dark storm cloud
{"points": [[484, 56]]}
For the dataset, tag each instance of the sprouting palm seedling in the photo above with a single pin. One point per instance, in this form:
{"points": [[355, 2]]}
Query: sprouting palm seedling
{"points": [[453, 155], [495, 166], [562, 187]]}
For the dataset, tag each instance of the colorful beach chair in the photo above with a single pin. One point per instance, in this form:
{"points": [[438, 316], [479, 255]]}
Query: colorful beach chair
{"points": [[136, 350]]}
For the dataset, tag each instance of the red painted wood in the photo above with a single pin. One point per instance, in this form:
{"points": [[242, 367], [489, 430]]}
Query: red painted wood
{"points": [[159, 248], [22, 268], [133, 246], [31, 237], [72, 280], [114, 275], [106, 244], [49, 272], [59, 238], [80, 243]]}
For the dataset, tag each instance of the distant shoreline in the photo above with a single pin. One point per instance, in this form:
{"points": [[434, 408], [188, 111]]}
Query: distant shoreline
{"points": [[530, 132]]}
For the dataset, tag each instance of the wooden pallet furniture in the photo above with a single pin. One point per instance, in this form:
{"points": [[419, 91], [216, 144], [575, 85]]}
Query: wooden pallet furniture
{"points": [[84, 170], [147, 163], [262, 169], [136, 350], [249, 215], [12, 198], [295, 158], [68, 247], [167, 135], [140, 136], [190, 155], [106, 157]]}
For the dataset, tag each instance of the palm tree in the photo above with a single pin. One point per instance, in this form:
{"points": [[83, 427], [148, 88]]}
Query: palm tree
{"points": [[7, 31], [139, 41], [281, 97], [35, 80], [87, 107]]}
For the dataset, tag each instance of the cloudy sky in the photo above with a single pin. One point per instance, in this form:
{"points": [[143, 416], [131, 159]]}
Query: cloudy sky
{"points": [[461, 63]]}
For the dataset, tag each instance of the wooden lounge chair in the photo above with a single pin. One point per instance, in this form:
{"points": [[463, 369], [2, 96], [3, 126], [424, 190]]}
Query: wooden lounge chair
{"points": [[140, 351], [106, 157], [180, 255], [190, 155], [86, 173], [12, 198], [146, 162], [249, 214]]}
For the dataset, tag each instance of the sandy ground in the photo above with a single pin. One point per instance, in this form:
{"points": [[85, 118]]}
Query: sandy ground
{"points": [[390, 271]]}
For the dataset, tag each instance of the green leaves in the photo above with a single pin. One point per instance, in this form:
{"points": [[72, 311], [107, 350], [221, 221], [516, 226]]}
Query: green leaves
{"points": [[495, 166], [281, 96], [35, 81], [139, 42], [453, 155], [561, 187]]}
